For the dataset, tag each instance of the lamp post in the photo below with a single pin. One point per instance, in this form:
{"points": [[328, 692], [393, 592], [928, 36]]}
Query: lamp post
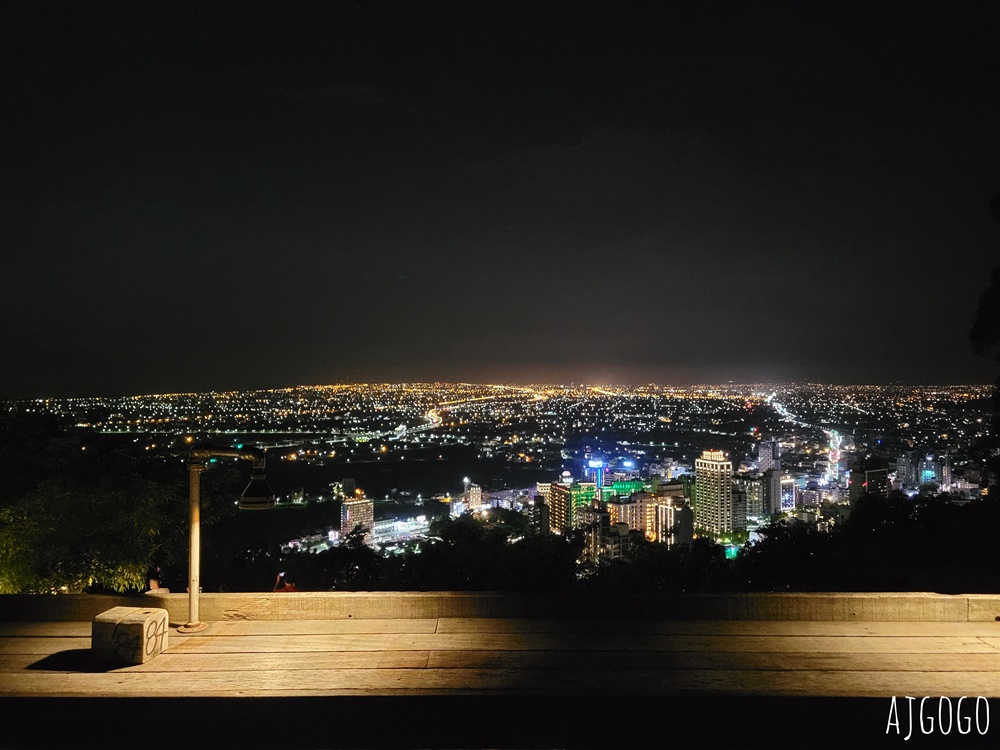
{"points": [[257, 495]]}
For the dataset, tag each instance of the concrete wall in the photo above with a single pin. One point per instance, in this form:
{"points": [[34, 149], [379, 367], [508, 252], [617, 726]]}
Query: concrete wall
{"points": [[866, 607]]}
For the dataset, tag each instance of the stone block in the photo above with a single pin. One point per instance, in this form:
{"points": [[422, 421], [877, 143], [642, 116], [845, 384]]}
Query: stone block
{"points": [[129, 635]]}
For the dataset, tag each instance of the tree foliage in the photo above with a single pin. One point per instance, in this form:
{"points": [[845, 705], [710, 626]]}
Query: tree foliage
{"points": [[70, 536], [467, 553], [650, 567], [78, 514]]}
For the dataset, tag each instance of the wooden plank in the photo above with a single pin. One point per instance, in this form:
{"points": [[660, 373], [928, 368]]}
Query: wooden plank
{"points": [[316, 627], [21, 662], [624, 661], [69, 662], [993, 642], [583, 682], [633, 660], [511, 625], [45, 629], [550, 660], [717, 627], [41, 645], [303, 662], [57, 644], [579, 641]]}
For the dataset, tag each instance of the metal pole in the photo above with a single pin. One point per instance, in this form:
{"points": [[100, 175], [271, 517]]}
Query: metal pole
{"points": [[194, 550]]}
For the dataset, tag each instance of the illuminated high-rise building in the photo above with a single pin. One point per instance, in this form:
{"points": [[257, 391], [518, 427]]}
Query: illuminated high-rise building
{"points": [[714, 511], [626, 487], [753, 486], [474, 497], [771, 498], [560, 507], [906, 470], [769, 456], [615, 540], [928, 470], [537, 511], [354, 511], [739, 510], [633, 511], [673, 521], [595, 472], [788, 490], [565, 500], [809, 499]]}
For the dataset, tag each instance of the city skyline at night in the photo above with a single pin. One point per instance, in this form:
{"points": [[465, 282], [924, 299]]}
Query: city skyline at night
{"points": [[612, 459]]}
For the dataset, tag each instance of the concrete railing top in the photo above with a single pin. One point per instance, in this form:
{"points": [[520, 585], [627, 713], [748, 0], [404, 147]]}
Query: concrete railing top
{"points": [[845, 607]]}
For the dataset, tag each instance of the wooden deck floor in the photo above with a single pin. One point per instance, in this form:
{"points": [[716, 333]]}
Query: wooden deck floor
{"points": [[546, 662], [491, 656]]}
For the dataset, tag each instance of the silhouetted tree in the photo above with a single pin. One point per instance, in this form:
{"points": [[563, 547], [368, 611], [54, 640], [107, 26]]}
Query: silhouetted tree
{"points": [[653, 567], [78, 514], [472, 553], [790, 556], [350, 566], [82, 511]]}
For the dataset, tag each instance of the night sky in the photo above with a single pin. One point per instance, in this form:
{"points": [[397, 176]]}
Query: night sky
{"points": [[207, 196]]}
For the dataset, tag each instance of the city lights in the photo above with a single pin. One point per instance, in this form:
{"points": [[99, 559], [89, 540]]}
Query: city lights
{"points": [[801, 450]]}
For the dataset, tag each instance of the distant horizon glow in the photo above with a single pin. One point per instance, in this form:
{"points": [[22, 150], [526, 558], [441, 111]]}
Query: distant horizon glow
{"points": [[728, 385]]}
